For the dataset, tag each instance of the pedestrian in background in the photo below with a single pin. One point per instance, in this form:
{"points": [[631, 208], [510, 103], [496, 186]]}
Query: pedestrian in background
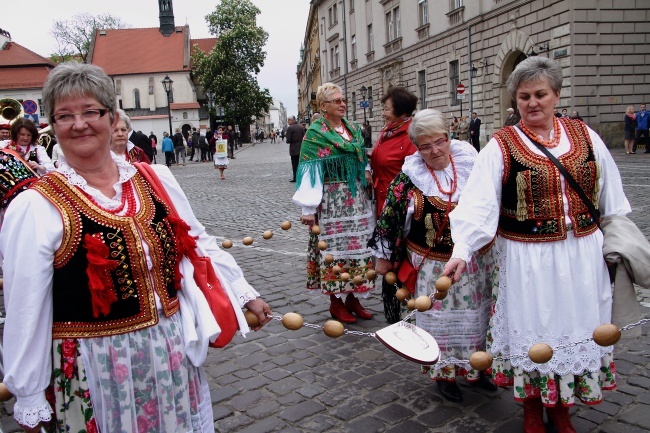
{"points": [[330, 191], [512, 118], [367, 135], [630, 126], [179, 146], [554, 286], [463, 129], [642, 129], [154, 143], [168, 149], [386, 160], [475, 131], [221, 153], [294, 136]]}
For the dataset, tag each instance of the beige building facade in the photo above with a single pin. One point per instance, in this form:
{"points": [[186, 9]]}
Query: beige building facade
{"points": [[309, 75], [430, 46]]}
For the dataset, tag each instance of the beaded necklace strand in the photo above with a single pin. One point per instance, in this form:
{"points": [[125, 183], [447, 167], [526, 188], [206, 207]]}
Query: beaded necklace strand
{"points": [[551, 143], [128, 200], [449, 193]]}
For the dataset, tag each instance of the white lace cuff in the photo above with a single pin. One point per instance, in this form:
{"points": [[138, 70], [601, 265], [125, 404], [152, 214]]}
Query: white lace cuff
{"points": [[244, 291], [461, 251], [308, 210], [30, 411]]}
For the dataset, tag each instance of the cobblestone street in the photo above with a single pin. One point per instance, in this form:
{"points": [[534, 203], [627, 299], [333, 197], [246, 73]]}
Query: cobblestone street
{"points": [[277, 380]]}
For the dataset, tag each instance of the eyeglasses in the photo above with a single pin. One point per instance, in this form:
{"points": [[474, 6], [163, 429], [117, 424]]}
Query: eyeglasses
{"points": [[438, 144], [86, 116], [338, 101]]}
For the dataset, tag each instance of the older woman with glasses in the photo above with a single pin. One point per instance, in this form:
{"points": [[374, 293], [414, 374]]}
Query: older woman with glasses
{"points": [[120, 143], [330, 185], [413, 230], [104, 320]]}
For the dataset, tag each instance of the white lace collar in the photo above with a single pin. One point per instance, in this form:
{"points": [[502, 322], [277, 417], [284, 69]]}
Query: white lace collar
{"points": [[126, 172], [416, 169]]}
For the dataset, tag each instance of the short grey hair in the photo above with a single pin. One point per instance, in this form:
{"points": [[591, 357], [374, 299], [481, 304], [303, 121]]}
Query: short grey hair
{"points": [[122, 116], [74, 79], [534, 69], [325, 91], [427, 123], [510, 110]]}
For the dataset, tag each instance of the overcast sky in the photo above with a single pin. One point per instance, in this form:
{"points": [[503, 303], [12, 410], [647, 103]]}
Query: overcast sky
{"points": [[284, 20]]}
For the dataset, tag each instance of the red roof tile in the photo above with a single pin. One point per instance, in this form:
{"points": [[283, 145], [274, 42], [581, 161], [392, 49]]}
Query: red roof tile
{"points": [[139, 51], [15, 54], [184, 105], [205, 45], [29, 77]]}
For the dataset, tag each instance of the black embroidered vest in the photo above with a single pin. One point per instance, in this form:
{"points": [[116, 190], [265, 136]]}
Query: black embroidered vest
{"points": [[135, 307], [427, 219], [532, 206]]}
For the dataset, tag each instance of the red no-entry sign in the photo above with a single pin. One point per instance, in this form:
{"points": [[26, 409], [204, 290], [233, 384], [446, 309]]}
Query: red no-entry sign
{"points": [[460, 89]]}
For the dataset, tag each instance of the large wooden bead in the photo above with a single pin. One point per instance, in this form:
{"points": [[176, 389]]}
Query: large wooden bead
{"points": [[371, 275], [443, 284], [345, 277], [251, 319], [402, 294], [607, 335], [328, 259], [5, 394], [439, 296], [540, 353], [480, 360], [315, 229], [390, 278], [285, 225], [423, 303], [267, 234], [247, 240], [292, 321], [322, 245], [227, 243], [410, 304], [357, 280], [333, 328]]}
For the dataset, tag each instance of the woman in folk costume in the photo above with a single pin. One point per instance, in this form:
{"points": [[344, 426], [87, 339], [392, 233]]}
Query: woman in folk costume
{"points": [[24, 141], [414, 227], [386, 160], [330, 185], [554, 287], [93, 297], [120, 144]]}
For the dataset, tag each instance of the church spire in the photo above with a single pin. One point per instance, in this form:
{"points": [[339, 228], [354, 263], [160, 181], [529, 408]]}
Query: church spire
{"points": [[166, 17]]}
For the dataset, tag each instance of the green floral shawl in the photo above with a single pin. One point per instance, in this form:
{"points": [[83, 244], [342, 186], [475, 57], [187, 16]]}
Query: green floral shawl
{"points": [[338, 159]]}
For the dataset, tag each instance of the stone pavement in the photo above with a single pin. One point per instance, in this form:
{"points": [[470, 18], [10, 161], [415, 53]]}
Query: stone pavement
{"points": [[277, 380]]}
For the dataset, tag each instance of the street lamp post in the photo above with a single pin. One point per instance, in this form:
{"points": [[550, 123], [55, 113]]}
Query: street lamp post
{"points": [[167, 84], [210, 95]]}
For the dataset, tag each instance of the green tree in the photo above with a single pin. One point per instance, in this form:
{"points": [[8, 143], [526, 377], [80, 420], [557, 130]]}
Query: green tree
{"points": [[73, 36], [230, 69]]}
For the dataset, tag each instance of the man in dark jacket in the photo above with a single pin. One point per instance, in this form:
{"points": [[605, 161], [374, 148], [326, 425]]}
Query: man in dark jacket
{"points": [[512, 118], [195, 141], [177, 139], [142, 141], [474, 131], [294, 135]]}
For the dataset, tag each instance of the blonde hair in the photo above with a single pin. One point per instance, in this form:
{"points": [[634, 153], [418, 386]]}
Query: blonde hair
{"points": [[629, 109], [325, 91]]}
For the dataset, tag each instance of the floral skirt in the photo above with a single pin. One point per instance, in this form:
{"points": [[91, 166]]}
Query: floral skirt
{"points": [[346, 221], [459, 322], [136, 382]]}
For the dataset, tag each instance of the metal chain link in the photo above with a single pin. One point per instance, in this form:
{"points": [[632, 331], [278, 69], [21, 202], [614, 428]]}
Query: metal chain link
{"points": [[497, 357]]}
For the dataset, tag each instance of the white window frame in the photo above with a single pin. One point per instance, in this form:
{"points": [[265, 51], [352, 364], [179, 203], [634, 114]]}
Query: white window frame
{"points": [[336, 57], [371, 40], [423, 9], [353, 47], [393, 24]]}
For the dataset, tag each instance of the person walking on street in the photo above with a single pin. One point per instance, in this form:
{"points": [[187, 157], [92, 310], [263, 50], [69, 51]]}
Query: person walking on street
{"points": [[642, 129], [168, 149], [475, 131], [154, 143], [294, 135], [179, 146], [630, 125], [230, 135]]}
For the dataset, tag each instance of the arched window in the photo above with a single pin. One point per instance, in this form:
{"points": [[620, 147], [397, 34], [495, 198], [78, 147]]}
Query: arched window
{"points": [[136, 97]]}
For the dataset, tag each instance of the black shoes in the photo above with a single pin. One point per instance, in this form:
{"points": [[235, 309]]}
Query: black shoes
{"points": [[486, 383], [292, 180], [450, 391]]}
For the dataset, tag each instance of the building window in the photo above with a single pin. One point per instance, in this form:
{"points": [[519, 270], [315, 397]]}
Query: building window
{"points": [[370, 102], [422, 87], [393, 30], [332, 58], [151, 85], [423, 11], [454, 79], [118, 87], [336, 57], [371, 42], [455, 4], [333, 15], [136, 97], [351, 5], [354, 47], [184, 114], [354, 106], [40, 108]]}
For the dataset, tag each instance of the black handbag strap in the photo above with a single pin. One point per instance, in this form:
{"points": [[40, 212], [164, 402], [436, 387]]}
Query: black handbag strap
{"points": [[595, 213]]}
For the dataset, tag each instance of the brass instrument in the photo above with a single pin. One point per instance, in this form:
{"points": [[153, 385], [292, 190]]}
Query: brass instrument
{"points": [[10, 110]]}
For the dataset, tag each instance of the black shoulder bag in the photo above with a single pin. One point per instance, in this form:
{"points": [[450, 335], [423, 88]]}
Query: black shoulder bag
{"points": [[595, 213]]}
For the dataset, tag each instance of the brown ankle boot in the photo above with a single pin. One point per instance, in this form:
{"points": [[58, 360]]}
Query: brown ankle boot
{"points": [[534, 416], [339, 312], [354, 306], [559, 416]]}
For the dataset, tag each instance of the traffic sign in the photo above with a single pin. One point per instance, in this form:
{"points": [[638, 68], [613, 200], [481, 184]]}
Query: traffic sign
{"points": [[29, 106], [460, 89], [364, 104], [460, 96]]}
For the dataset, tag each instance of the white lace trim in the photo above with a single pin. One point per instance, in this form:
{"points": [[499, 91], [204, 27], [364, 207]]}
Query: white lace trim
{"points": [[416, 169], [248, 296], [31, 417], [126, 172]]}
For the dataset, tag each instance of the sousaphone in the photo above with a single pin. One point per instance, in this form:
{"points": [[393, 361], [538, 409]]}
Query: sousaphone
{"points": [[10, 110]]}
